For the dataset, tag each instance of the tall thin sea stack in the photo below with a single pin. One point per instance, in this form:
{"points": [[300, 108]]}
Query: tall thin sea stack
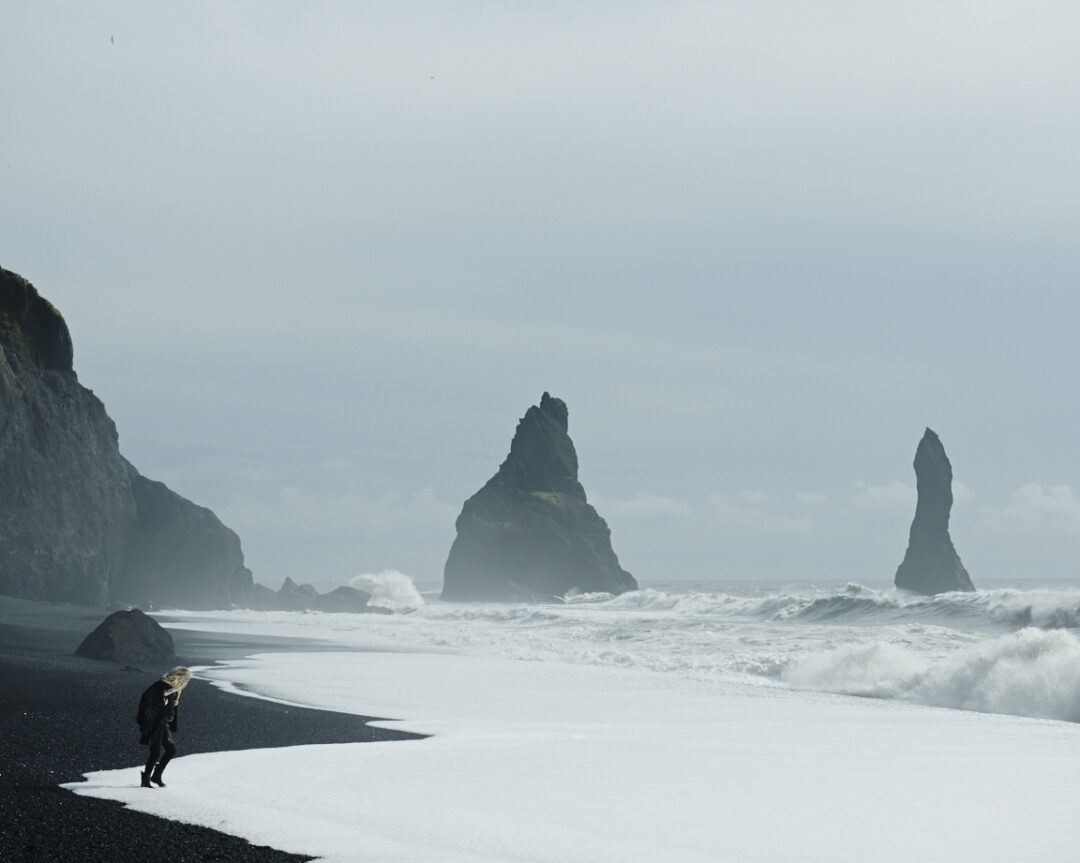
{"points": [[530, 533], [931, 564]]}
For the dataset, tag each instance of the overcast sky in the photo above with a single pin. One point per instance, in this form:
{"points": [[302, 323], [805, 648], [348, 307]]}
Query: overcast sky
{"points": [[318, 259]]}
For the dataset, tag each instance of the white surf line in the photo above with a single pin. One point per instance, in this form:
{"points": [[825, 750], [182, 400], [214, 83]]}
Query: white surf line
{"points": [[557, 761]]}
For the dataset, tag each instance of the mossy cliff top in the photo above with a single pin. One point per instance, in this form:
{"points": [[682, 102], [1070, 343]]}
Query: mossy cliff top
{"points": [[32, 331]]}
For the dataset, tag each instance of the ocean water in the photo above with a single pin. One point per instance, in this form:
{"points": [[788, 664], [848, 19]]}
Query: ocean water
{"points": [[680, 722], [1011, 649]]}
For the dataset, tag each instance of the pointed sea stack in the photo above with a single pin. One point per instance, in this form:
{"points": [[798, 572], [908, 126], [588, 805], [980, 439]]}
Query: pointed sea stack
{"points": [[530, 534], [931, 564]]}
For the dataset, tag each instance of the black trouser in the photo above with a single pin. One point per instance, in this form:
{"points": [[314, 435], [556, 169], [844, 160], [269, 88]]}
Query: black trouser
{"points": [[158, 741]]}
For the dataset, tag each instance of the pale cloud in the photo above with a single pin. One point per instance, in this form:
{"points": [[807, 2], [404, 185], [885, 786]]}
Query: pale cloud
{"points": [[961, 492], [642, 505], [759, 513], [893, 495], [1035, 504]]}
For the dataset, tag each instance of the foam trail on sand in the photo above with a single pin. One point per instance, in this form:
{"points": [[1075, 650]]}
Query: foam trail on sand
{"points": [[550, 762], [723, 713]]}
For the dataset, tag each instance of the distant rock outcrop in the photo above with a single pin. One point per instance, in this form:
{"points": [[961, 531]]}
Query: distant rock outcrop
{"points": [[128, 637], [304, 597], [347, 599], [530, 533], [931, 564], [77, 522], [296, 597], [262, 598]]}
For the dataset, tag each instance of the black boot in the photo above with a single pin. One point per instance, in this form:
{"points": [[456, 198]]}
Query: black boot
{"points": [[156, 778], [145, 776]]}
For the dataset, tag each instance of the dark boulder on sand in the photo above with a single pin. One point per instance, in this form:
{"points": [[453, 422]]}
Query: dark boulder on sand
{"points": [[128, 637], [931, 564], [78, 523], [530, 533]]}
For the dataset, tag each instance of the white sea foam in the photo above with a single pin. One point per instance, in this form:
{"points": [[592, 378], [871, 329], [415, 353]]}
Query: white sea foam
{"points": [[664, 725], [962, 650]]}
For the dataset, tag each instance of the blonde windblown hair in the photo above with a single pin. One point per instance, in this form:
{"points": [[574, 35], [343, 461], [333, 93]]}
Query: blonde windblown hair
{"points": [[177, 679]]}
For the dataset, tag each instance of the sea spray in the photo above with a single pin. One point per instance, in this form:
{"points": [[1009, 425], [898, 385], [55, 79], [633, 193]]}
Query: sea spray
{"points": [[1032, 672], [389, 589], [879, 670], [1045, 609]]}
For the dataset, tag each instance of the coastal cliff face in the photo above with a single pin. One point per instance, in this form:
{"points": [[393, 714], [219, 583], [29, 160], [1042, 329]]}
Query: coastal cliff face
{"points": [[77, 521], [931, 564], [179, 554], [530, 533]]}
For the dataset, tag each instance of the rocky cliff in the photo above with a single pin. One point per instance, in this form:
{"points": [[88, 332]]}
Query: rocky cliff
{"points": [[530, 533], [77, 521], [179, 554], [931, 564]]}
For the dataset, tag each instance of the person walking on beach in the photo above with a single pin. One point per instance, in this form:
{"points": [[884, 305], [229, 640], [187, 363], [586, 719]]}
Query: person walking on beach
{"points": [[157, 720]]}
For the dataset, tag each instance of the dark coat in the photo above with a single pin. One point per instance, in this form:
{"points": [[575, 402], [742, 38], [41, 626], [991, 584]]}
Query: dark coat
{"points": [[155, 716]]}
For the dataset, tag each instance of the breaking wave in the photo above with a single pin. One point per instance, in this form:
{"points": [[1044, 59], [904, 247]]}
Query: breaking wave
{"points": [[853, 604], [998, 651], [389, 589], [1032, 672], [1044, 609]]}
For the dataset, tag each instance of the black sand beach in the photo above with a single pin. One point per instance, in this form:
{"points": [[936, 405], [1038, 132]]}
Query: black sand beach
{"points": [[62, 716]]}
